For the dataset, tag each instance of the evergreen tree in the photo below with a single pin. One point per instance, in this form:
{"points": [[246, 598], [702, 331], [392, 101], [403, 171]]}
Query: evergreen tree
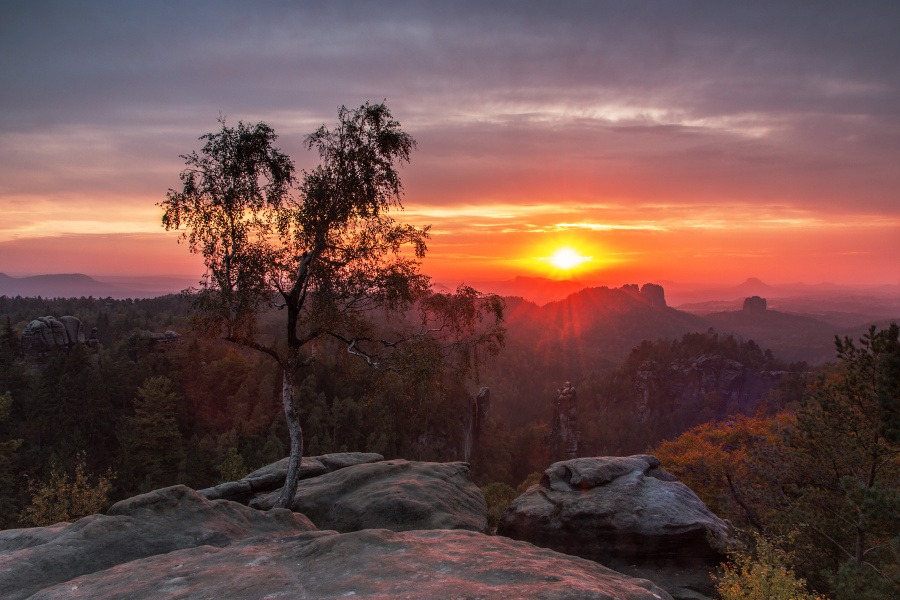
{"points": [[152, 444], [845, 466]]}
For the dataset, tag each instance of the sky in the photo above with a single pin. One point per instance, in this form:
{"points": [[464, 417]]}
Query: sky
{"points": [[686, 141]]}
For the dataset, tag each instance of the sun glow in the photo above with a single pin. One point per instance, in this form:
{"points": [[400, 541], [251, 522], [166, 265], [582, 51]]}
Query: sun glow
{"points": [[567, 258]]}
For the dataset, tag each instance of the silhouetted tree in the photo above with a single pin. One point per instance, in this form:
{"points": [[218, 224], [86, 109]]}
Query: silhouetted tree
{"points": [[330, 257]]}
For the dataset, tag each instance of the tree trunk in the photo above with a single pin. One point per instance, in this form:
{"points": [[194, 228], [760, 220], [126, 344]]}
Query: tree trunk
{"points": [[296, 432]]}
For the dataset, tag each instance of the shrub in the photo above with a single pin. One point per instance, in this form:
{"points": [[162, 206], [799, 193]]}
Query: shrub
{"points": [[761, 574], [498, 496], [64, 498]]}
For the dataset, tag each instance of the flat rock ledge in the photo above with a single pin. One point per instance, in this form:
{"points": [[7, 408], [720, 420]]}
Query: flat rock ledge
{"points": [[374, 564], [626, 513], [160, 522]]}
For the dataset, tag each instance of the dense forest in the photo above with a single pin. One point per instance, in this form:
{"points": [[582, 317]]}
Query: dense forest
{"points": [[191, 409], [138, 413]]}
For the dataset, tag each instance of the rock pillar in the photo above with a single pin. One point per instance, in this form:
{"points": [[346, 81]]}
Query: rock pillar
{"points": [[475, 420], [564, 430]]}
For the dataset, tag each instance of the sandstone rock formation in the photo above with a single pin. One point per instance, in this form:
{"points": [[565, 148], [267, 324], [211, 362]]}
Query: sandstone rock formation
{"points": [[47, 333], [271, 477], [93, 342], [755, 305], [367, 564], [162, 521], [563, 436], [474, 420], [686, 385], [626, 513], [398, 495], [153, 342], [654, 294], [651, 293], [173, 543]]}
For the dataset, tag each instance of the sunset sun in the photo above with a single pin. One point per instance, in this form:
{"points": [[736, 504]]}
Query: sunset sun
{"points": [[567, 258]]}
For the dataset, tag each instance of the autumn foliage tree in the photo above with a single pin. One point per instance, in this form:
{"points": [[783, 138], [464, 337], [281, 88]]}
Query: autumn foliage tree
{"points": [[63, 497], [323, 249], [826, 477], [727, 463]]}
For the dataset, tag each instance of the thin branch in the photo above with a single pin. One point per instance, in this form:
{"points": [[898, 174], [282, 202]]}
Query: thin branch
{"points": [[258, 347]]}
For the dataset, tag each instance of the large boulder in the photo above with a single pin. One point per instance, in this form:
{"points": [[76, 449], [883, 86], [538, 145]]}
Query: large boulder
{"points": [[156, 523], [43, 335], [272, 476], [394, 494], [46, 334], [367, 564], [626, 513]]}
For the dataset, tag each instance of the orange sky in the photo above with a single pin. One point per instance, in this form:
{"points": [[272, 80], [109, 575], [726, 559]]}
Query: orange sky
{"points": [[664, 143]]}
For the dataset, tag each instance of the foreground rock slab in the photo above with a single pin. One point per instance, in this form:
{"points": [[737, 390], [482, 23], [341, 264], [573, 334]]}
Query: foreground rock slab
{"points": [[367, 564], [399, 495], [156, 523], [626, 513]]}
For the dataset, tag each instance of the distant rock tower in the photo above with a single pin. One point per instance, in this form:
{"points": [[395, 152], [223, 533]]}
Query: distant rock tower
{"points": [[47, 333], [564, 432], [474, 420], [654, 294], [755, 305]]}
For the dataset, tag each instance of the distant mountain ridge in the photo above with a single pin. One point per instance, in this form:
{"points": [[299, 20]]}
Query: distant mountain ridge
{"points": [[536, 289], [681, 294], [596, 325], [61, 285], [599, 325], [76, 285]]}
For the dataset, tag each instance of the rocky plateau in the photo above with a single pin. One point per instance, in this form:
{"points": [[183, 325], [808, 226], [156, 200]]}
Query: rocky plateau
{"points": [[361, 526]]}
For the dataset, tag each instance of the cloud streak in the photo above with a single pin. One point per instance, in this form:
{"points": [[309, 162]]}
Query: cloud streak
{"points": [[602, 119]]}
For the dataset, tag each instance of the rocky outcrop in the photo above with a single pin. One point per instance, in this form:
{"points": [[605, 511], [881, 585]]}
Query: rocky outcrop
{"points": [[563, 436], [626, 513], [709, 384], [651, 293], [368, 564], [398, 495], [755, 305], [150, 341], [46, 334], [654, 294], [173, 543], [271, 477], [151, 524]]}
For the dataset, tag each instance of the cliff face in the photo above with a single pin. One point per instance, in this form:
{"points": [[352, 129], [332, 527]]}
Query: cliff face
{"points": [[710, 385]]}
